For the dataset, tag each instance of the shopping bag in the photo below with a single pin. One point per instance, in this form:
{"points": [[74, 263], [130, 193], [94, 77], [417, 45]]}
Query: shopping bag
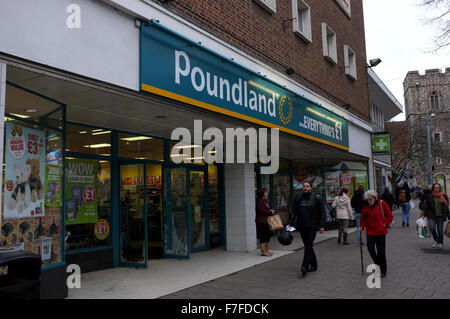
{"points": [[275, 222], [447, 229], [411, 204]]}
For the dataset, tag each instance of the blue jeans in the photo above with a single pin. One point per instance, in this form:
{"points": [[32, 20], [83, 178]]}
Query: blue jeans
{"points": [[438, 223], [405, 212], [358, 220]]}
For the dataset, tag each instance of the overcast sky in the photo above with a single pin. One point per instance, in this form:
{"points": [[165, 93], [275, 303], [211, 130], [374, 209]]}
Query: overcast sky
{"points": [[396, 33]]}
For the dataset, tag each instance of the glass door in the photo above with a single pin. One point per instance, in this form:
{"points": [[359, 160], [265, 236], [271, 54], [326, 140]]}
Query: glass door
{"points": [[176, 238], [133, 221], [197, 207]]}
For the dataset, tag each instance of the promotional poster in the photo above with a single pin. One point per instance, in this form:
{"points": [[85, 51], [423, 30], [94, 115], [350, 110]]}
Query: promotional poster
{"points": [[24, 172]]}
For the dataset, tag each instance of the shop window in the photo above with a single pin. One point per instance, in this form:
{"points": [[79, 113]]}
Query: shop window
{"points": [[88, 203], [188, 154], [154, 209], [88, 140], [282, 189], [141, 147], [31, 193], [301, 14], [307, 171], [213, 185]]}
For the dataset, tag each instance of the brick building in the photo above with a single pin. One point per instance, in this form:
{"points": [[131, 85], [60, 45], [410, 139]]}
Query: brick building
{"points": [[426, 95]]}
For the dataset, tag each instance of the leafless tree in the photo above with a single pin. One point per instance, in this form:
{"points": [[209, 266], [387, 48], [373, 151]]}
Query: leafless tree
{"points": [[438, 16]]}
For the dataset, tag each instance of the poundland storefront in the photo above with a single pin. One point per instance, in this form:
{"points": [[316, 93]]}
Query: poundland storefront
{"points": [[91, 173]]}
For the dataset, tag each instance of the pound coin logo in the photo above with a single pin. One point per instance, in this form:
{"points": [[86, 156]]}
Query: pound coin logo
{"points": [[287, 119]]}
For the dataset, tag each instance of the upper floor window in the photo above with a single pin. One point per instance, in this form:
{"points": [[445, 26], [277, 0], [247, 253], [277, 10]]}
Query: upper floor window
{"points": [[434, 100], [350, 62], [377, 116], [301, 14], [437, 137], [438, 160], [269, 5], [345, 6], [329, 43]]}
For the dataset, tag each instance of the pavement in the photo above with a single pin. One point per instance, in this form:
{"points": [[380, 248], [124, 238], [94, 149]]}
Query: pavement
{"points": [[166, 276], [415, 271]]}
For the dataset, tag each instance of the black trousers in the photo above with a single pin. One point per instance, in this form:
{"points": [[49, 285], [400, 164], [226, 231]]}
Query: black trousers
{"points": [[308, 235], [377, 250]]}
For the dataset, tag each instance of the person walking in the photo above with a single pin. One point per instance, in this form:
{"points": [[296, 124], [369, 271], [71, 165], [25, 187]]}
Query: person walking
{"points": [[343, 214], [388, 198], [375, 218], [263, 233], [404, 197], [358, 204], [307, 215], [437, 212]]}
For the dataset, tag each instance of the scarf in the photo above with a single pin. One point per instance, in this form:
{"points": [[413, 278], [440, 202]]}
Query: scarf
{"points": [[441, 196]]}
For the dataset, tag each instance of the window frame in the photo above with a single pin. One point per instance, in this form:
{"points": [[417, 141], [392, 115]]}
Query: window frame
{"points": [[350, 63], [306, 34], [268, 5], [330, 55], [437, 134]]}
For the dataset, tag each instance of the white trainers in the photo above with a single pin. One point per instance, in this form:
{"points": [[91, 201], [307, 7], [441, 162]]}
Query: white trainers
{"points": [[440, 246], [434, 244]]}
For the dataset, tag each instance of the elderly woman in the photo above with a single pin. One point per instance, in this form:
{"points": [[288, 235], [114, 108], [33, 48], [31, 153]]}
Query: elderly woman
{"points": [[376, 216]]}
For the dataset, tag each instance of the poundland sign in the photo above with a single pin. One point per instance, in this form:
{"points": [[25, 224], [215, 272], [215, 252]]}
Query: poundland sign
{"points": [[180, 69]]}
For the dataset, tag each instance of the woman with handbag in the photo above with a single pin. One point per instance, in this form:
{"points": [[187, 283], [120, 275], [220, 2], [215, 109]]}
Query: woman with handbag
{"points": [[375, 219], [343, 213], [437, 212], [263, 233]]}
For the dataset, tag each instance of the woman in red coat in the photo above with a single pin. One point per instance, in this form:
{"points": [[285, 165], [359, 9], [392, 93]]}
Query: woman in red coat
{"points": [[376, 217], [262, 228]]}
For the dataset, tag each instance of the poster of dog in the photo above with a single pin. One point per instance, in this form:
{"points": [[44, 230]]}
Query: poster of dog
{"points": [[25, 157]]}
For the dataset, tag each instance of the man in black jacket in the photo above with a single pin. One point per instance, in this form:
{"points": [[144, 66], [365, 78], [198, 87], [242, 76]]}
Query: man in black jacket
{"points": [[307, 215]]}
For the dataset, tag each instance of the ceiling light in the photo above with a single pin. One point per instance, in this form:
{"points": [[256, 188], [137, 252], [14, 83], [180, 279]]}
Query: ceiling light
{"points": [[140, 158], [82, 132], [178, 155], [136, 138], [188, 146], [97, 145], [31, 110], [100, 133], [97, 130], [19, 115]]}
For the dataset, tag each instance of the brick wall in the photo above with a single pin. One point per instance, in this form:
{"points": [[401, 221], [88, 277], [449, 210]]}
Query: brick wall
{"points": [[249, 27]]}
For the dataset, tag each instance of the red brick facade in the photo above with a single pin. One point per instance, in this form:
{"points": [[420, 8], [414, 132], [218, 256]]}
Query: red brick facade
{"points": [[252, 29]]}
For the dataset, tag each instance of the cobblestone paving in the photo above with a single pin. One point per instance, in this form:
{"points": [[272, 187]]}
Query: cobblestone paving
{"points": [[415, 270]]}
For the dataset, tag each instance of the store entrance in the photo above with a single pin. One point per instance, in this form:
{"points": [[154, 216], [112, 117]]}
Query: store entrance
{"points": [[141, 235], [133, 221]]}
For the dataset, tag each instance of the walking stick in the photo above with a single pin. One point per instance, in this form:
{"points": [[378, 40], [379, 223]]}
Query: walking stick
{"points": [[361, 251]]}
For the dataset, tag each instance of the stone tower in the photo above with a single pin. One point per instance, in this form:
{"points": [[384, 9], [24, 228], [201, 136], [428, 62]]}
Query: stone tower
{"points": [[429, 95]]}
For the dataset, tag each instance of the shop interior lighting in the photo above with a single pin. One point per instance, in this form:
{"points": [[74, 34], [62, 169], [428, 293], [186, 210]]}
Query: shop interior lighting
{"points": [[101, 145], [100, 133], [31, 110], [21, 116], [178, 155], [82, 132], [187, 146], [140, 158], [97, 130], [105, 154], [136, 138]]}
